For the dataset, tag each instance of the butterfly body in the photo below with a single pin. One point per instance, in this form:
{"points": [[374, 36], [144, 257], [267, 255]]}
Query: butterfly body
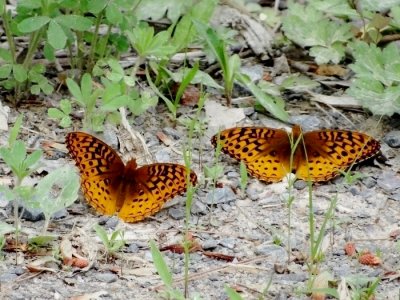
{"points": [[270, 154], [112, 187]]}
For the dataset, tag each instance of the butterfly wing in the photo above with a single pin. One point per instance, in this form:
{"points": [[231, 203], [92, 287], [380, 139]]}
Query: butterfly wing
{"points": [[100, 168], [265, 151], [147, 188], [332, 151]]}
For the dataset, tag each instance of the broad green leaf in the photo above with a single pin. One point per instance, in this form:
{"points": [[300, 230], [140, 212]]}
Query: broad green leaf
{"points": [[56, 36], [33, 23], [113, 14], [232, 294], [15, 131], [33, 158], [6, 55], [96, 6], [55, 113], [161, 266], [5, 71], [65, 106], [75, 22], [274, 105], [20, 73]]}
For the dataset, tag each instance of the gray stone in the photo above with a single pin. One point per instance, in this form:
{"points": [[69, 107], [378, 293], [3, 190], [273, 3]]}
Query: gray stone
{"points": [[254, 190], [209, 244], [177, 213], [232, 174], [369, 182], [6, 277], [395, 196], [61, 214], [220, 195], [112, 223], [163, 155], [389, 181], [172, 132], [392, 138], [132, 248], [300, 184], [354, 190], [255, 72], [106, 277], [198, 207], [229, 243], [306, 122], [277, 253], [30, 214]]}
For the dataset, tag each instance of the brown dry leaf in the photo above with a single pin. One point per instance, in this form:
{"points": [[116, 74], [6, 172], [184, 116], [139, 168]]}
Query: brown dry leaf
{"points": [[79, 262], [350, 248], [164, 138], [219, 256], [369, 259], [39, 264], [190, 96], [331, 70]]}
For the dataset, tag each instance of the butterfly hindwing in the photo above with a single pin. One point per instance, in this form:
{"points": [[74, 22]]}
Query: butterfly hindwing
{"points": [[332, 151], [154, 185]]}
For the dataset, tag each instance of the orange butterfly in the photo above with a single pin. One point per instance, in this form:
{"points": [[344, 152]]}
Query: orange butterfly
{"points": [[319, 156], [111, 187]]}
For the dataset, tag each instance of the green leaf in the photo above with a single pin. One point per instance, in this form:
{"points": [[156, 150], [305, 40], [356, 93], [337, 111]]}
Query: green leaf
{"points": [[55, 113], [299, 83], [6, 228], [96, 6], [66, 106], [41, 240], [274, 105], [33, 24], [56, 36], [33, 158], [113, 14], [14, 131], [75, 90], [6, 55], [5, 71], [232, 294], [65, 122], [161, 266], [75, 22], [20, 73]]}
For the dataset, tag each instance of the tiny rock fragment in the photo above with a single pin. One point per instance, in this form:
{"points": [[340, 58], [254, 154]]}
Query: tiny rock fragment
{"points": [[394, 234], [79, 262], [165, 139]]}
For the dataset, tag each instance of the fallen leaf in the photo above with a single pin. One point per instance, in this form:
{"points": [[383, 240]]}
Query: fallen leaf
{"points": [[321, 281], [39, 265], [369, 259], [350, 248], [164, 138], [219, 256], [331, 70]]}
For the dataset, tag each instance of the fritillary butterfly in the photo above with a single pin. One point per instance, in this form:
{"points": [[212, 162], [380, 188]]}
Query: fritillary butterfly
{"points": [[319, 155], [111, 187]]}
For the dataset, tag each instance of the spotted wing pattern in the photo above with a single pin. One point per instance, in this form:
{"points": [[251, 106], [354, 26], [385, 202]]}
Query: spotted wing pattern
{"points": [[320, 155], [111, 187], [265, 151], [99, 166], [332, 151], [149, 187]]}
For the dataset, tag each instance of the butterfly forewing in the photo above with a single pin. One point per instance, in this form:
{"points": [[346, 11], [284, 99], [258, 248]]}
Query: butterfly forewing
{"points": [[265, 151], [154, 185], [100, 166]]}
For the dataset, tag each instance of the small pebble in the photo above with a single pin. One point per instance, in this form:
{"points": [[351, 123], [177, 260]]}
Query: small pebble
{"points": [[306, 122], [254, 190], [228, 243], [177, 213], [112, 223], [389, 181], [163, 155], [209, 244], [61, 214], [392, 138], [354, 190], [369, 182], [32, 215], [300, 184], [172, 132], [220, 195], [198, 207], [132, 248], [277, 253], [106, 277]]}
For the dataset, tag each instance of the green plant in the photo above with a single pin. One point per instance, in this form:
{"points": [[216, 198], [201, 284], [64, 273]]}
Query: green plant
{"points": [[243, 177], [377, 78], [232, 294], [112, 243], [62, 114], [57, 190], [230, 66], [165, 273], [39, 241], [309, 27], [21, 165], [362, 287]]}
